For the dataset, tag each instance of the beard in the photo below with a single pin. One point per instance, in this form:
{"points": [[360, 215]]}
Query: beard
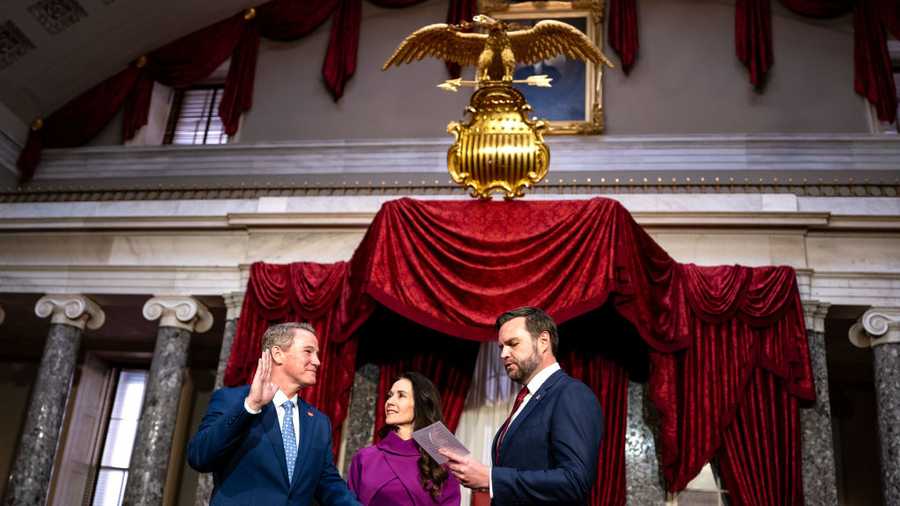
{"points": [[525, 368]]}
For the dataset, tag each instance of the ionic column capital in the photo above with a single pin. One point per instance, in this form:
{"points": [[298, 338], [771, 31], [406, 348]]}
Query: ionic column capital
{"points": [[71, 309], [179, 311], [879, 325], [815, 312], [233, 303]]}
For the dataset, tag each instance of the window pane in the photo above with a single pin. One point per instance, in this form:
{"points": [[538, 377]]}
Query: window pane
{"points": [[198, 118], [119, 443], [110, 487], [120, 435], [129, 395]]}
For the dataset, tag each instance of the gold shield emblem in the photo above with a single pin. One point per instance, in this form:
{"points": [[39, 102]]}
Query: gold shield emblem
{"points": [[498, 148]]}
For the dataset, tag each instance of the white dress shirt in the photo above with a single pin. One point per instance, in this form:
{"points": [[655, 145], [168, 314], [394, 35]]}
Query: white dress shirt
{"points": [[536, 382], [278, 400]]}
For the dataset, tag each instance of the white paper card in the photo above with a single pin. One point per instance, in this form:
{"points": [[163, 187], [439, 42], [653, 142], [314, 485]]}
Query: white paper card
{"points": [[436, 437]]}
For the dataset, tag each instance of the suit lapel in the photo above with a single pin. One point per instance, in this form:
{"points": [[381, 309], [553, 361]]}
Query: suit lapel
{"points": [[306, 424], [270, 425], [536, 399]]}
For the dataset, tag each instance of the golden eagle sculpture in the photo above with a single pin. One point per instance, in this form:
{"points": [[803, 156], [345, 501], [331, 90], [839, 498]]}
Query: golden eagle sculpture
{"points": [[496, 53], [498, 147]]}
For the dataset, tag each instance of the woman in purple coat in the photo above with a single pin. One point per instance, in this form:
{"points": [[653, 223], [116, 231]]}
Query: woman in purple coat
{"points": [[396, 471]]}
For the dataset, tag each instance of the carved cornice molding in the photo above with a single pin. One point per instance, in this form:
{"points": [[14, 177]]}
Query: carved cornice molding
{"points": [[815, 313], [875, 327], [809, 165], [179, 311], [233, 303], [71, 309], [314, 187]]}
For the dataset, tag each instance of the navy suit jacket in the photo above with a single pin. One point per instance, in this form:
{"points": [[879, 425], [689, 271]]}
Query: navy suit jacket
{"points": [[549, 454], [245, 453]]}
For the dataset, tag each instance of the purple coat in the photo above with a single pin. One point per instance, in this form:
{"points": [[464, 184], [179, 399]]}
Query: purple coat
{"points": [[387, 474]]}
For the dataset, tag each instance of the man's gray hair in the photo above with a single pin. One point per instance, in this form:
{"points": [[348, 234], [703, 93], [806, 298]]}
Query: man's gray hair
{"points": [[282, 334]]}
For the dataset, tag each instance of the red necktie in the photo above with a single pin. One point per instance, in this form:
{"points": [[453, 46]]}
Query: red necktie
{"points": [[519, 399]]}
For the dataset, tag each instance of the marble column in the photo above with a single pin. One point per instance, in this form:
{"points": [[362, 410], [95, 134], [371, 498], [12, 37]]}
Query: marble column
{"points": [[819, 480], [233, 303], [178, 317], [361, 412], [29, 479], [879, 329], [643, 483]]}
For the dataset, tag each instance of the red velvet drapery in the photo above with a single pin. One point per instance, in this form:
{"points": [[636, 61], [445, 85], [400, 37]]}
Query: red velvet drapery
{"points": [[873, 76], [765, 432], [453, 266], [603, 350], [398, 345], [739, 320], [623, 31], [753, 38], [78, 121], [322, 294], [195, 56]]}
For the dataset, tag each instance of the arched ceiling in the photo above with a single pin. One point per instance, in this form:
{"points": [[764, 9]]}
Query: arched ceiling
{"points": [[52, 50]]}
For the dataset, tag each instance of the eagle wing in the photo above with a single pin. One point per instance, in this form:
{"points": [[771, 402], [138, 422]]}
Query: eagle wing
{"points": [[441, 41], [550, 38]]}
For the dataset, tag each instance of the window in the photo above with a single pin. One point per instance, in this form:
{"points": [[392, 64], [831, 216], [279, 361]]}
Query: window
{"points": [[120, 435], [194, 117]]}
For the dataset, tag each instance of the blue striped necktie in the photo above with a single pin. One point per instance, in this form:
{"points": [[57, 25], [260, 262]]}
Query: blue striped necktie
{"points": [[289, 439]]}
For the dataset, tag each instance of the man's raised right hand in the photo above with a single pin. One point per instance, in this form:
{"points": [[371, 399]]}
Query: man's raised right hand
{"points": [[262, 390]]}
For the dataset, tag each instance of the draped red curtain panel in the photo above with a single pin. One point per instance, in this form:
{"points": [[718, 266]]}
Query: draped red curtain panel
{"points": [[716, 338], [193, 57], [397, 345]]}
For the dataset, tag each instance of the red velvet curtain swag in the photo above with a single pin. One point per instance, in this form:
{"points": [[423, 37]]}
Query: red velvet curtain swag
{"points": [[721, 341]]}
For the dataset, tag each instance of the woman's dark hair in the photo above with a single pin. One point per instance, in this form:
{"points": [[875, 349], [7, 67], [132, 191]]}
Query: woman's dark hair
{"points": [[426, 411]]}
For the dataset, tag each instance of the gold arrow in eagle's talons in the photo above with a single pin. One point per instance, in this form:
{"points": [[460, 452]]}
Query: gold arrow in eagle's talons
{"points": [[497, 147], [542, 81], [454, 84]]}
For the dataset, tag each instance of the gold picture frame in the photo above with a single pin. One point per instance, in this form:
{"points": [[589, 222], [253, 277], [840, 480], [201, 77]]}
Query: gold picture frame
{"points": [[562, 105]]}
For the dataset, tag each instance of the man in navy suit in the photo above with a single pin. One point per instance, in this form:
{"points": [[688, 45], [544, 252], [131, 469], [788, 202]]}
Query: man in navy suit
{"points": [[262, 442], [546, 450]]}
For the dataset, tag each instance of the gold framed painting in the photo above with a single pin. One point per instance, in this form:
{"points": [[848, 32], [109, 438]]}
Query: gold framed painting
{"points": [[574, 103]]}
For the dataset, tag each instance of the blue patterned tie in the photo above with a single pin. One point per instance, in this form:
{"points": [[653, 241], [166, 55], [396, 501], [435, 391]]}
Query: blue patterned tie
{"points": [[288, 438]]}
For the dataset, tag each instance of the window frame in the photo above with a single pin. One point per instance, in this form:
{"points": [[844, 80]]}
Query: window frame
{"points": [[175, 110], [98, 467]]}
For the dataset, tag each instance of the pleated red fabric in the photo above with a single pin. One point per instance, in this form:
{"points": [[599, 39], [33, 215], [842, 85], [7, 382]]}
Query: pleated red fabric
{"points": [[753, 38], [454, 266], [623, 31]]}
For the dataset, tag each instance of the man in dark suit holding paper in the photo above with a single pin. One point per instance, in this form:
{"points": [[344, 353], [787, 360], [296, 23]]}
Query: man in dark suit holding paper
{"points": [[546, 451]]}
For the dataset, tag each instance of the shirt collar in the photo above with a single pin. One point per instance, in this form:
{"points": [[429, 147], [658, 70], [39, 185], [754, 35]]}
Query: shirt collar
{"points": [[280, 397], [541, 377]]}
